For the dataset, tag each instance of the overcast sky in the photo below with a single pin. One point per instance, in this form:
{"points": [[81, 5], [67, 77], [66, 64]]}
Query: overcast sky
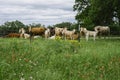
{"points": [[47, 12]]}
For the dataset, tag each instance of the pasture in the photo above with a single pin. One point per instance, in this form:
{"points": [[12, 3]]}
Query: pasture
{"points": [[59, 60]]}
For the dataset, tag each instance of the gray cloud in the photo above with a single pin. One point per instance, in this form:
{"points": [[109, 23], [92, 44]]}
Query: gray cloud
{"points": [[46, 12]]}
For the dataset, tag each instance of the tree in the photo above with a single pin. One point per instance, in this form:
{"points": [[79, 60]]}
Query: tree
{"points": [[11, 27], [96, 12], [64, 24]]}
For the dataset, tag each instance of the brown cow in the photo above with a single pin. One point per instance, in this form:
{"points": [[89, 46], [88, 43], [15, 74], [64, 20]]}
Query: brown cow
{"points": [[37, 31], [13, 35]]}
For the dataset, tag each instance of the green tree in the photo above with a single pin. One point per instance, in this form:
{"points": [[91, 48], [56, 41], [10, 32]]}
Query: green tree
{"points": [[36, 25], [64, 24], [11, 27], [97, 12]]}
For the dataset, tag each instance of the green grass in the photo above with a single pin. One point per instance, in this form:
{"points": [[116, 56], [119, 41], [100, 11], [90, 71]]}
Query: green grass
{"points": [[59, 60]]}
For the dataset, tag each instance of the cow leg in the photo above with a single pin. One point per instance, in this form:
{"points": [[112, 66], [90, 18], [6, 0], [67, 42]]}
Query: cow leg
{"points": [[86, 37]]}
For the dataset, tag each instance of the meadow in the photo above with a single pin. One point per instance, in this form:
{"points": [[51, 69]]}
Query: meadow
{"points": [[59, 60]]}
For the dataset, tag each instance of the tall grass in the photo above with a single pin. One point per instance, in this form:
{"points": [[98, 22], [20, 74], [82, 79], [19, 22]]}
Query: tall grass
{"points": [[59, 60]]}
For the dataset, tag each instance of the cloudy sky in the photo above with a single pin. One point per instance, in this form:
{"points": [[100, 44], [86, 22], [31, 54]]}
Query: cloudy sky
{"points": [[47, 12]]}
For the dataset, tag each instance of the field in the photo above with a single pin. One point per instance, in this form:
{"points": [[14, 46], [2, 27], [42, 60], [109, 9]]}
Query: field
{"points": [[59, 60]]}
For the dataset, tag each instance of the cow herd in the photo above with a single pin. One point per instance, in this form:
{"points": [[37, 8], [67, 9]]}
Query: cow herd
{"points": [[64, 33]]}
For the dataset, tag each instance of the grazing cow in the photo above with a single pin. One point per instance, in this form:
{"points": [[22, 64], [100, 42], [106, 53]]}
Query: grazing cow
{"points": [[47, 33], [102, 30], [13, 35], [37, 31], [18, 35], [68, 33], [23, 34], [26, 36], [88, 33], [58, 31], [22, 30]]}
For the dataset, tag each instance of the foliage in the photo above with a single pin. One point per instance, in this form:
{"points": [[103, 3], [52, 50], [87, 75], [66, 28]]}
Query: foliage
{"points": [[63, 24], [14, 26], [36, 25], [68, 25], [97, 12], [11, 27], [115, 29], [59, 60]]}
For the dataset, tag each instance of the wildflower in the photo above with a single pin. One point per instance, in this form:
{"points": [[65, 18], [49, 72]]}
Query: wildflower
{"points": [[57, 37], [22, 78], [31, 77], [20, 59], [30, 61], [34, 64]]}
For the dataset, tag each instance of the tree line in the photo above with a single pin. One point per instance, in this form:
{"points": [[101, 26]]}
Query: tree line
{"points": [[14, 26]]}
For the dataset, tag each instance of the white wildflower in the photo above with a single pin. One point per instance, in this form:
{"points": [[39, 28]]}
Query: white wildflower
{"points": [[31, 77], [22, 78]]}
